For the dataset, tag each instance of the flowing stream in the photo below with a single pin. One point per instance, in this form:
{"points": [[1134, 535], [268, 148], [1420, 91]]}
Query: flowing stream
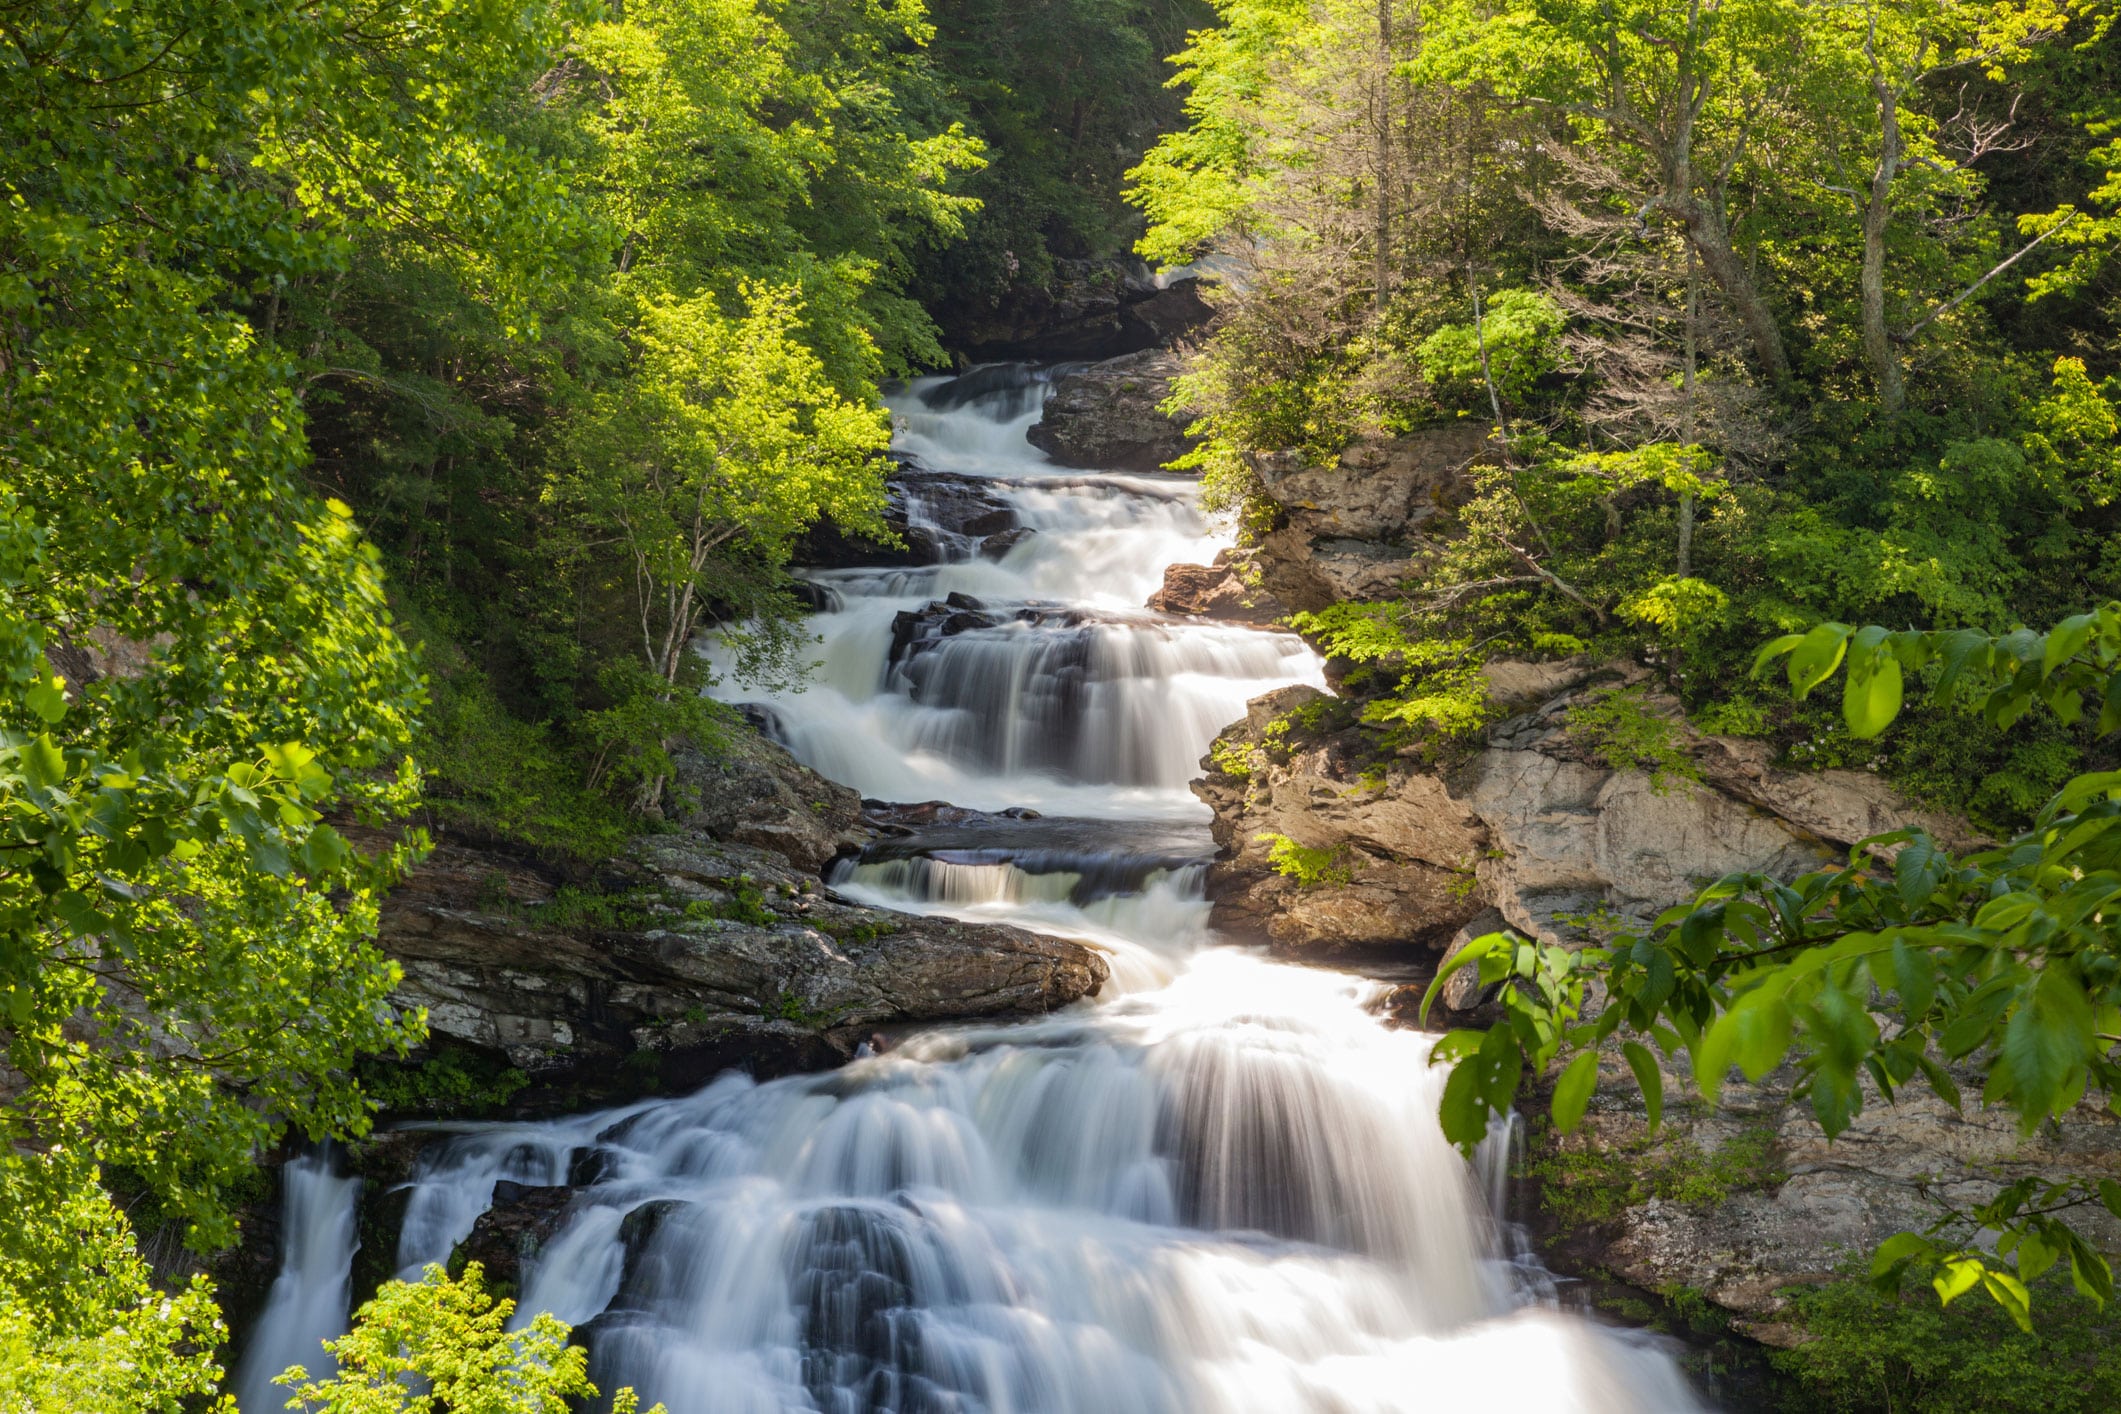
{"points": [[1220, 1188]]}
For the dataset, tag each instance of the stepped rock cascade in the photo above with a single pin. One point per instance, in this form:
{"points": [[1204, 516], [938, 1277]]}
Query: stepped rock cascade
{"points": [[1220, 1188]]}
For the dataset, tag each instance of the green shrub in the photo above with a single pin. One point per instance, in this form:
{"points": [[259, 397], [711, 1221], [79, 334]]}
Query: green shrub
{"points": [[1623, 733], [453, 1083], [1309, 867], [1872, 1352]]}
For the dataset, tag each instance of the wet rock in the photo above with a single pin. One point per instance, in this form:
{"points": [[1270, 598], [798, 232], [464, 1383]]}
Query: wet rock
{"points": [[995, 546], [1108, 417], [939, 517], [891, 818], [1215, 591], [509, 1235]]}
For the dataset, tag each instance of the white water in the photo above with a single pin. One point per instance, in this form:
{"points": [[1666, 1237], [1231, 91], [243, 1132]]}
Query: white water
{"points": [[1221, 1189], [308, 1301], [1106, 717]]}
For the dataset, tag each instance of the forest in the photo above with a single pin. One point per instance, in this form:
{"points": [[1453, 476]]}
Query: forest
{"points": [[393, 395]]}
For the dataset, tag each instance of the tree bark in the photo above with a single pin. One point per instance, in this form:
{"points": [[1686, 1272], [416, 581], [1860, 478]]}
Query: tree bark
{"points": [[1691, 432], [1711, 240], [1384, 153], [1877, 214]]}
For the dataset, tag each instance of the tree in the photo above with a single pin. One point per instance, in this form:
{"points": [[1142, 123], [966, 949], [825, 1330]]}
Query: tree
{"points": [[200, 660], [1903, 966], [1884, 56], [1680, 95], [443, 1343], [728, 443]]}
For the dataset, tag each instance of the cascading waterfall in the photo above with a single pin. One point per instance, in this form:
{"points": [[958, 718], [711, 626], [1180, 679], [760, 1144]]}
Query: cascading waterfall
{"points": [[308, 1301], [1221, 1188]]}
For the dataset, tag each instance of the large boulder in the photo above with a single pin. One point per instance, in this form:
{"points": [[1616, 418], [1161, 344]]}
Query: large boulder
{"points": [[1216, 591], [1357, 528], [1108, 417], [1392, 853], [750, 791]]}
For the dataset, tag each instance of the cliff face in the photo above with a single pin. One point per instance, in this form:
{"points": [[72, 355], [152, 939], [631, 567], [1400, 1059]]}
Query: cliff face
{"points": [[1333, 843], [1533, 832]]}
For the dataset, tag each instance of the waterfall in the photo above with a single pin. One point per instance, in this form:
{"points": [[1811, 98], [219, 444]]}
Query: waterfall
{"points": [[307, 1304], [1221, 1188]]}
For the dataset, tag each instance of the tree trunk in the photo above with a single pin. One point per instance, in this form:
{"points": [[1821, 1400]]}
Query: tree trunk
{"points": [[1877, 213], [1690, 434], [1384, 153], [1710, 240]]}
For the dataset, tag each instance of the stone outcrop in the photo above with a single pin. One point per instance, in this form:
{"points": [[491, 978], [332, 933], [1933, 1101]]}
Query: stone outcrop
{"points": [[1749, 1200], [1216, 591], [1090, 309], [1396, 851], [692, 956], [751, 792], [1357, 528], [1740, 1202], [712, 945], [1108, 417], [1552, 834]]}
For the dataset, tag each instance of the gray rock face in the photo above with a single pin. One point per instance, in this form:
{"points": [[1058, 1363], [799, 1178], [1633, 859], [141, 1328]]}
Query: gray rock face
{"points": [[1740, 1202], [1357, 529], [1107, 416], [1552, 835], [1781, 1205], [707, 955], [1406, 847]]}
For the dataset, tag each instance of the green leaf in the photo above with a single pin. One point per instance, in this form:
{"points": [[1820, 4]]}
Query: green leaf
{"points": [[1775, 649], [1960, 1275], [1572, 1092], [1816, 656], [1870, 698], [1914, 978], [2046, 1040], [1896, 1252], [47, 698], [2064, 641], [1468, 956], [2011, 1295], [1761, 1034], [43, 764], [1464, 1117], [1648, 1077], [1918, 869]]}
